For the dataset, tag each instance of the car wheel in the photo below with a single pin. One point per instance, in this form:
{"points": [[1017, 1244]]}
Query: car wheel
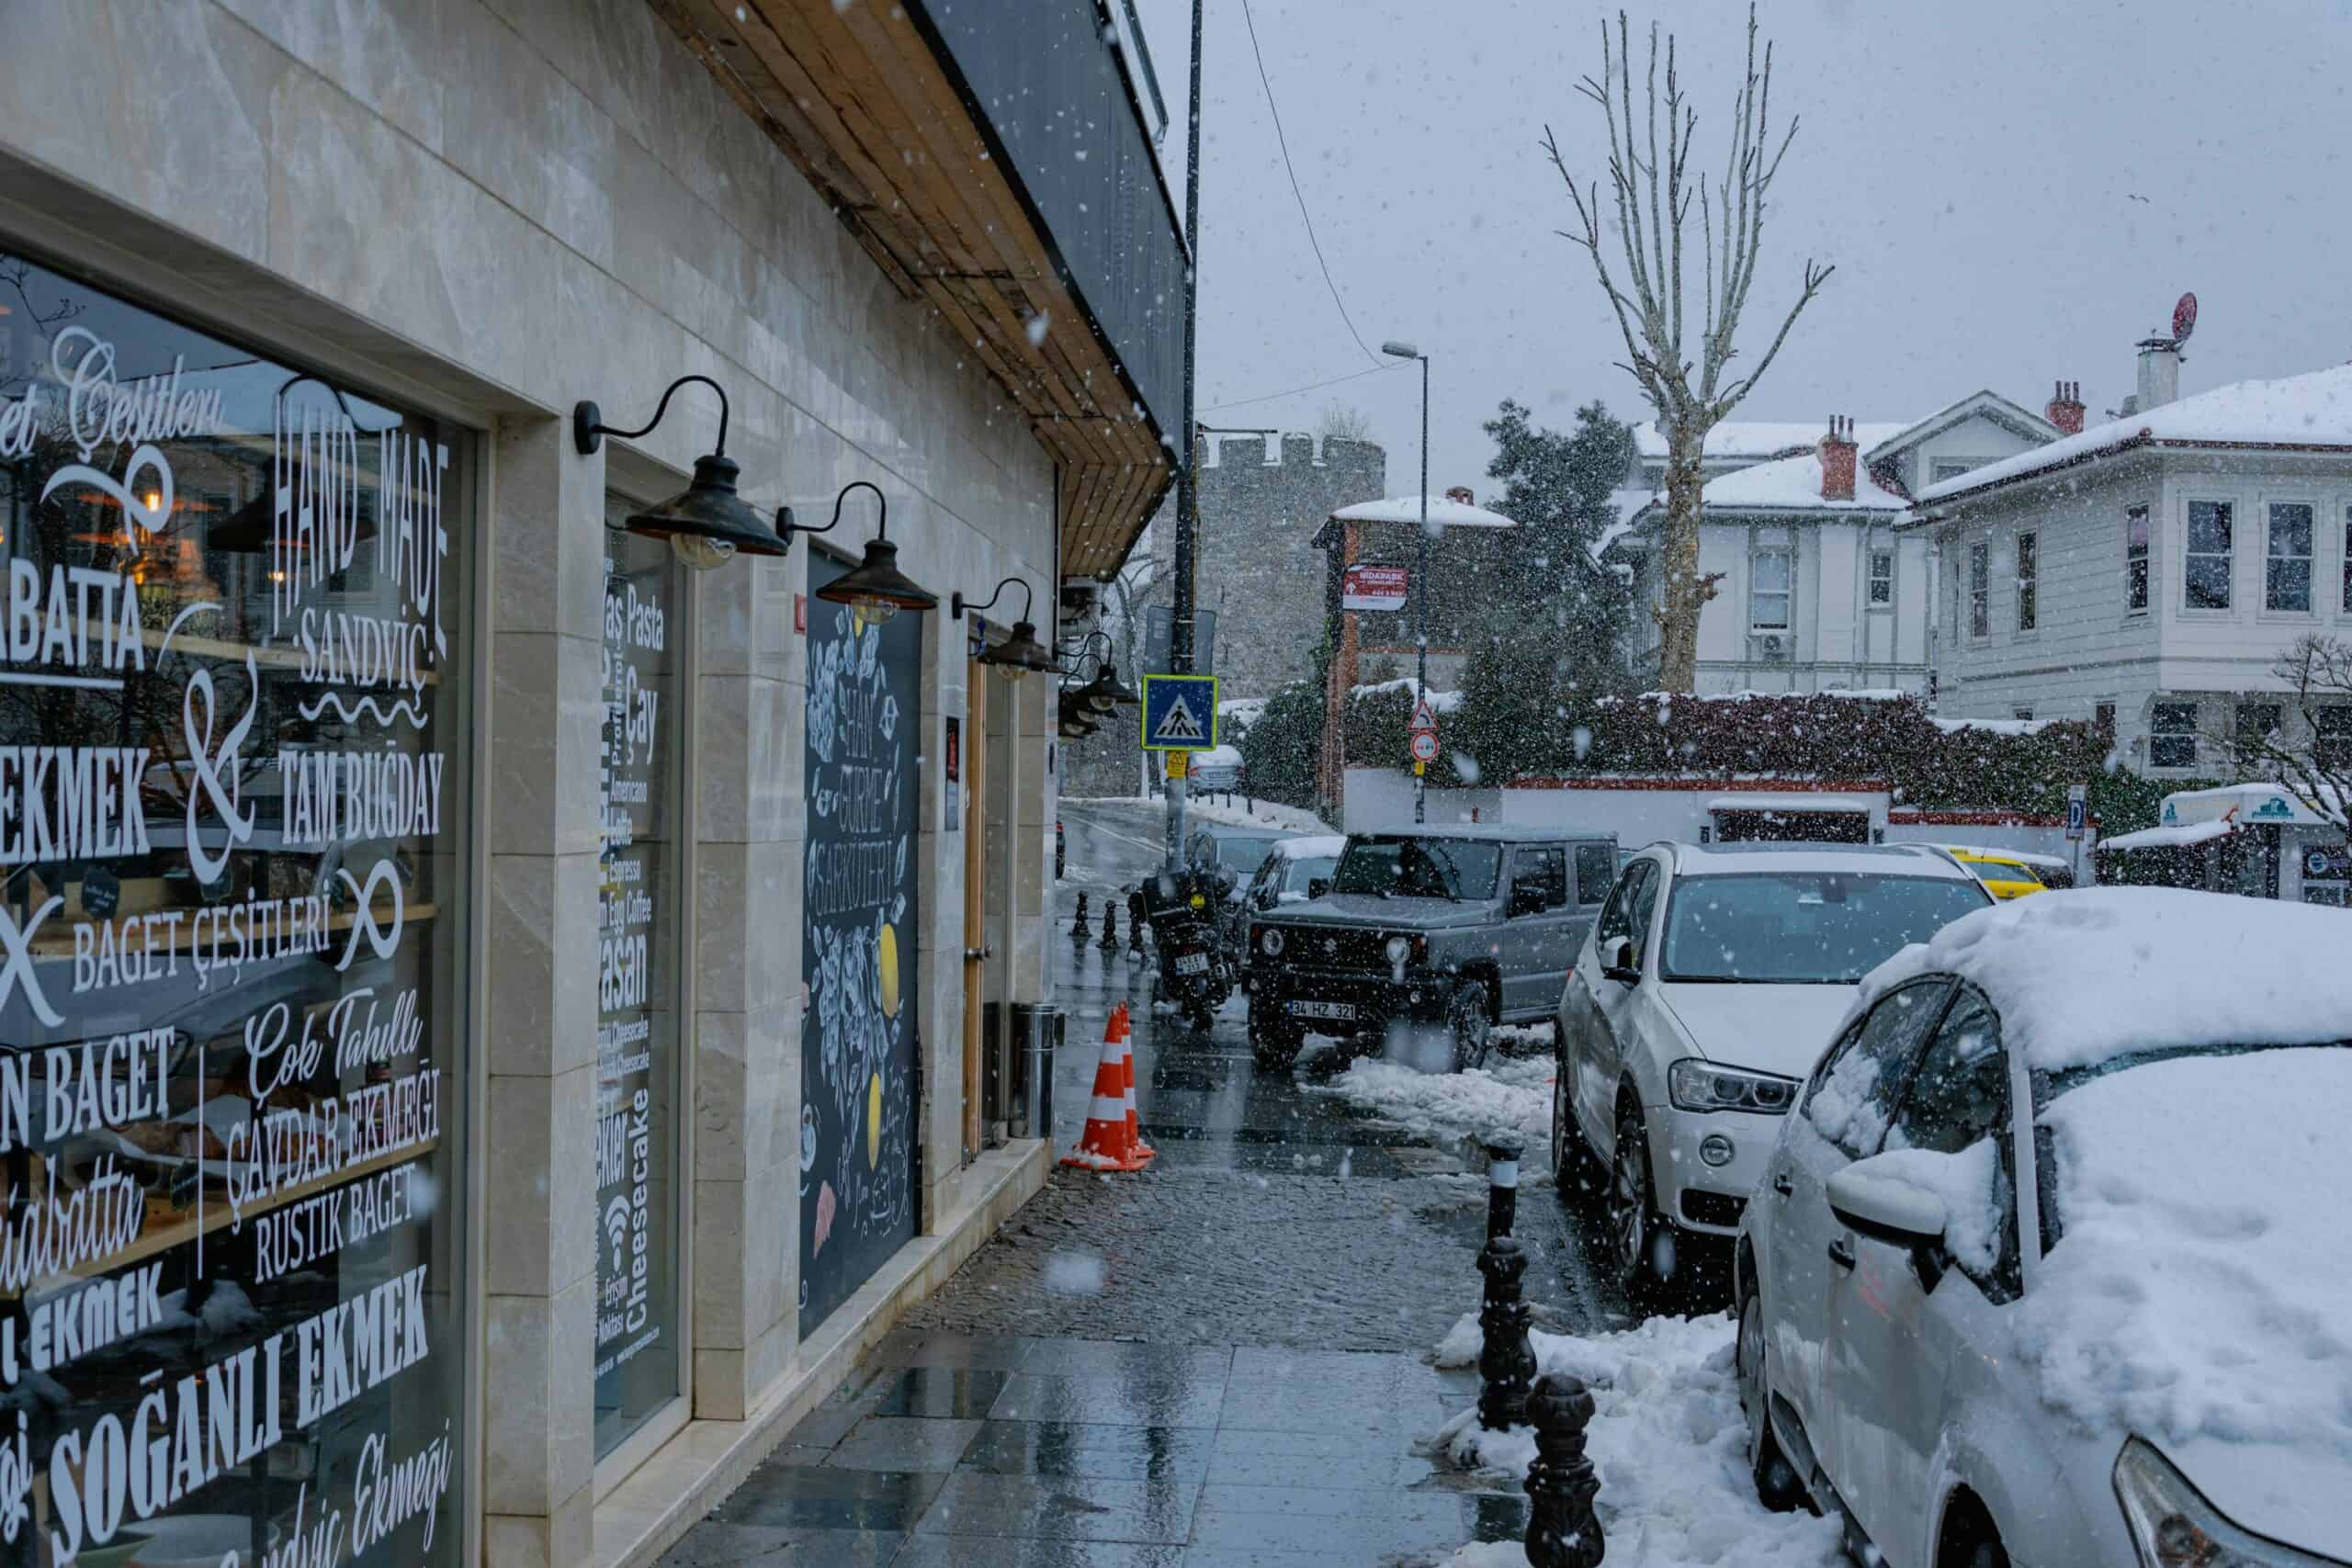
{"points": [[1274, 1044], [1630, 1208], [1471, 1024], [1777, 1486], [1199, 1016]]}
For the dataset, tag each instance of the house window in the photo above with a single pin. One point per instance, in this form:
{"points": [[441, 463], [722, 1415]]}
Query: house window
{"points": [[2208, 574], [2332, 738], [2347, 556], [1881, 578], [2103, 717], [2025, 713], [2251, 725], [2172, 736], [1767, 592], [1944, 468], [2136, 559], [2028, 585], [1980, 590], [2287, 571]]}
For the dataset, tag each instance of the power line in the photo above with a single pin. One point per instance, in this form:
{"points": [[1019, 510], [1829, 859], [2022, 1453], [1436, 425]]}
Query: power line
{"points": [[1310, 386], [1282, 141]]}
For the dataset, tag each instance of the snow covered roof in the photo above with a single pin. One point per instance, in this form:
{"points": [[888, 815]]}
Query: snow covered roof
{"points": [[1315, 846], [1987, 403], [2023, 857], [2295, 412], [2173, 836], [1793, 484], [2244, 802], [1442, 512], [1440, 702], [2083, 975], [1761, 438]]}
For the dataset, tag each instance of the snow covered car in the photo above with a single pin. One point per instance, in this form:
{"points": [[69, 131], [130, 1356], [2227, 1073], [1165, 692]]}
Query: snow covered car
{"points": [[2051, 1265], [1709, 986], [1287, 875]]}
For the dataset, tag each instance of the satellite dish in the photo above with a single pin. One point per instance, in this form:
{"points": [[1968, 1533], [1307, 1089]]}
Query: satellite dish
{"points": [[2184, 319]]}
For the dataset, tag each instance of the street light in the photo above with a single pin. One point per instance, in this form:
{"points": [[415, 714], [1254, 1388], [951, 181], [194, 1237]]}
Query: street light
{"points": [[1420, 571]]}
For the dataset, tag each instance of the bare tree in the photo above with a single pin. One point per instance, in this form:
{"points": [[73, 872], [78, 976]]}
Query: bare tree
{"points": [[2313, 757], [1651, 193], [1341, 422]]}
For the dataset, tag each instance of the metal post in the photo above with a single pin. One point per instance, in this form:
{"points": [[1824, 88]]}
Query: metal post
{"points": [[1077, 931], [1562, 1530], [1422, 597], [1506, 1359], [1180, 638]]}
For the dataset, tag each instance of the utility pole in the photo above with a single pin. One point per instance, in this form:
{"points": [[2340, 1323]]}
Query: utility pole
{"points": [[1188, 496], [1420, 574]]}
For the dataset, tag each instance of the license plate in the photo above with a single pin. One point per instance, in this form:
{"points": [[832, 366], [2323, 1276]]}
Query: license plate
{"points": [[1344, 1012], [1192, 963]]}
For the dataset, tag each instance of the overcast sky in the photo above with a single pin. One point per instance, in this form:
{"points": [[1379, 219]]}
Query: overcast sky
{"points": [[1971, 169]]}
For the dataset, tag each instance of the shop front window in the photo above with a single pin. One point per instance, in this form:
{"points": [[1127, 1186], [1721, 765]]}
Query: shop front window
{"points": [[637, 1001], [234, 653]]}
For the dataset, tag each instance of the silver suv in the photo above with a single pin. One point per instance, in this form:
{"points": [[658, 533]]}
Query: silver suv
{"points": [[1710, 985]]}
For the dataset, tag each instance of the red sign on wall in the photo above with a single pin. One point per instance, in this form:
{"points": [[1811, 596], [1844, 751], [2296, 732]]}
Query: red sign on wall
{"points": [[1374, 588]]}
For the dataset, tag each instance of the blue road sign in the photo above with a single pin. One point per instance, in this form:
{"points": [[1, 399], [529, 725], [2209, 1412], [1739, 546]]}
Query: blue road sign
{"points": [[1179, 713]]}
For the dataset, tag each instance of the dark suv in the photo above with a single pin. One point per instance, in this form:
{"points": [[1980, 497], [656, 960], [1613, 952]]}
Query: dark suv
{"points": [[1455, 929]]}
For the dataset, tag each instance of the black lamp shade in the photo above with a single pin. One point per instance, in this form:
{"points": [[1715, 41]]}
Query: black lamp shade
{"points": [[1107, 690], [1022, 652], [709, 510], [878, 579]]}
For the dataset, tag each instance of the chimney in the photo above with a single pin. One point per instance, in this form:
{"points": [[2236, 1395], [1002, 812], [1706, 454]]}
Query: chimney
{"points": [[2159, 372], [1461, 493], [1837, 460], [2065, 409]]}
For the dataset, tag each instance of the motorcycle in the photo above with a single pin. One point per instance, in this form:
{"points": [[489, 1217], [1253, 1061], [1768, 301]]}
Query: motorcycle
{"points": [[1195, 970]]}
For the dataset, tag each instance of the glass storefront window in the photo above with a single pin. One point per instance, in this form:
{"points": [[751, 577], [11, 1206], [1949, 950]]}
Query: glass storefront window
{"points": [[233, 766], [638, 972]]}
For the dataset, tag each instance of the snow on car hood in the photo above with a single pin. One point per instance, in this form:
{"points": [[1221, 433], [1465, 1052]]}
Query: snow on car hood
{"points": [[2196, 1294], [1774, 1029], [1368, 910]]}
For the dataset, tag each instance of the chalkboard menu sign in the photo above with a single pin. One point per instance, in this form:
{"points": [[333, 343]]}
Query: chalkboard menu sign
{"points": [[233, 658], [636, 981]]}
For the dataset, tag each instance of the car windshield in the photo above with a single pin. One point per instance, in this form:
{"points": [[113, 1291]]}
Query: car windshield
{"points": [[1242, 854], [1397, 867], [1306, 869], [1804, 928], [2051, 1086]]}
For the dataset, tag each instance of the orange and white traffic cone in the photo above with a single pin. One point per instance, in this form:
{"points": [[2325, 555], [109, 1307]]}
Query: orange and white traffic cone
{"points": [[1123, 1029], [1109, 1143]]}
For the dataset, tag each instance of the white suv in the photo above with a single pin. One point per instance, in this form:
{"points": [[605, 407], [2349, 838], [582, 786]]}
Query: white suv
{"points": [[1710, 985]]}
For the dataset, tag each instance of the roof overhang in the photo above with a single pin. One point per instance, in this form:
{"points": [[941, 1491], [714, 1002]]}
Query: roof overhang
{"points": [[2144, 441], [872, 103]]}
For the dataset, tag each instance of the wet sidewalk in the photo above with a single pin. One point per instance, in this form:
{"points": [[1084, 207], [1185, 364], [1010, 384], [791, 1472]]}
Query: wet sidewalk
{"points": [[1014, 1452]]}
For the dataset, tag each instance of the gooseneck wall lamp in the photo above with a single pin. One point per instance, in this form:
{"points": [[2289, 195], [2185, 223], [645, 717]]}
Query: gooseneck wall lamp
{"points": [[708, 523], [876, 587], [1022, 652], [1106, 691]]}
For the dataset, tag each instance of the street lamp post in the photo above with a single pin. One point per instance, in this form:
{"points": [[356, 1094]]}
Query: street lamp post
{"points": [[1421, 573]]}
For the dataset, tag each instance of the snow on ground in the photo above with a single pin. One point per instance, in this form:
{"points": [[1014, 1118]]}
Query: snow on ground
{"points": [[1667, 1441], [1199, 809], [1506, 1096]]}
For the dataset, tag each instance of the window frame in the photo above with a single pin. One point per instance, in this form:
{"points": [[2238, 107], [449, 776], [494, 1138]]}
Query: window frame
{"points": [[2344, 603], [1909, 1057], [2242, 732], [1615, 919], [1977, 591], [2272, 560], [1522, 854], [2156, 736], [2331, 739], [1878, 593], [2007, 1281], [2025, 563], [2228, 555], [1786, 593], [2136, 559], [1602, 884]]}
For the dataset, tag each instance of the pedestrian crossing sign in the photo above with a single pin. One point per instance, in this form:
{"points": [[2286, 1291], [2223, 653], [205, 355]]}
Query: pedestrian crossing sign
{"points": [[1179, 713]]}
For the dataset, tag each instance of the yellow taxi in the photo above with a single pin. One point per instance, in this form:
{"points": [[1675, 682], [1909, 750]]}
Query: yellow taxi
{"points": [[2010, 874]]}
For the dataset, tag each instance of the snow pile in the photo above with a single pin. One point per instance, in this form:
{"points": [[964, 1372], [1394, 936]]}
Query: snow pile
{"points": [[1965, 1183], [1667, 1441], [2083, 974], [1314, 846], [1243, 711], [2314, 410], [1200, 808], [1507, 1095], [2198, 1287], [1440, 702], [1442, 511], [1992, 726]]}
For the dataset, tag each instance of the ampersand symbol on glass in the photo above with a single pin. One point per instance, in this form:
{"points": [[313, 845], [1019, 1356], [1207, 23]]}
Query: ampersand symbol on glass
{"points": [[208, 766]]}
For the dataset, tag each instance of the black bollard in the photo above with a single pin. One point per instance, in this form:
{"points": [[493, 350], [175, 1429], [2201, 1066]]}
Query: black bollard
{"points": [[1135, 920], [1110, 926], [1079, 933], [1562, 1530], [1506, 1360]]}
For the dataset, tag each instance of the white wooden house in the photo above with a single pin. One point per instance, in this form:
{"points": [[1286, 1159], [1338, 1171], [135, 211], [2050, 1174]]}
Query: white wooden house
{"points": [[1818, 587], [2151, 570]]}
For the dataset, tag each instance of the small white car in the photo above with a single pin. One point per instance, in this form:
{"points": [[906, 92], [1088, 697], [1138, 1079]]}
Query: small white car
{"points": [[2052, 1263], [1709, 986]]}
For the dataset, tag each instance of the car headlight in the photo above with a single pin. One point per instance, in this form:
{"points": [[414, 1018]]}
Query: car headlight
{"points": [[1270, 942], [1399, 949], [1698, 1085], [2174, 1527]]}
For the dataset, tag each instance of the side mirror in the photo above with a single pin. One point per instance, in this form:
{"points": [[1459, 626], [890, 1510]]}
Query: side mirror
{"points": [[1886, 1208], [1617, 962], [1526, 899], [1317, 886]]}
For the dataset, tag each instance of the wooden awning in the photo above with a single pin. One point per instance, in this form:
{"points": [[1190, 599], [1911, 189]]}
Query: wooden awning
{"points": [[862, 103]]}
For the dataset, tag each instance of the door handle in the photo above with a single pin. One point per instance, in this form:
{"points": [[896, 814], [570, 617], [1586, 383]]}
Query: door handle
{"points": [[1781, 1184], [1841, 1255], [978, 954]]}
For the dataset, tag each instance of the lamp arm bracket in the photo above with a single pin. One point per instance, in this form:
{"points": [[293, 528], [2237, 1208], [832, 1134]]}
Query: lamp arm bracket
{"points": [[588, 430], [958, 603], [882, 527]]}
